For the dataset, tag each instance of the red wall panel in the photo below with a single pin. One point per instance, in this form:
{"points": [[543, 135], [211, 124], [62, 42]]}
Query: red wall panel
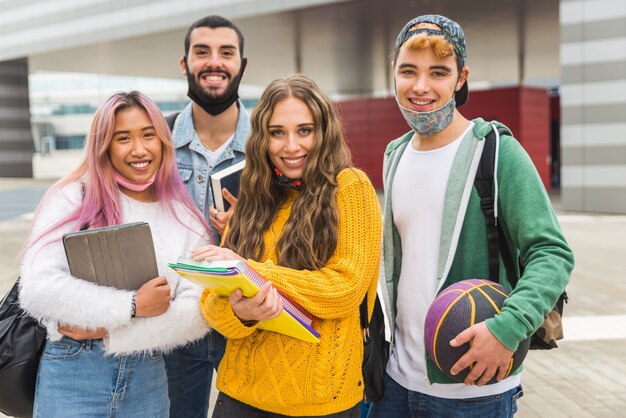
{"points": [[370, 124]]}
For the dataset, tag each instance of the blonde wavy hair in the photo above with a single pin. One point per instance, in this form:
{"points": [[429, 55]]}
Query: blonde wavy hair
{"points": [[309, 237]]}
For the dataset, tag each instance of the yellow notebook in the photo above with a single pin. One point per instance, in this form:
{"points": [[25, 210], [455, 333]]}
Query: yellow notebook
{"points": [[226, 276]]}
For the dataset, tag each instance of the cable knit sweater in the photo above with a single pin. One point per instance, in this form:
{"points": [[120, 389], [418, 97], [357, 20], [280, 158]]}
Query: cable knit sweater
{"points": [[48, 292], [288, 376]]}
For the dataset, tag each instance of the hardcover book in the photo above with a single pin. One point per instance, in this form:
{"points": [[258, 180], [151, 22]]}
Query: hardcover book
{"points": [[120, 256], [227, 178], [224, 277]]}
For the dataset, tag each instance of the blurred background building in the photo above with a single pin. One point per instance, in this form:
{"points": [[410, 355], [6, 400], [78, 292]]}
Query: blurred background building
{"points": [[553, 71]]}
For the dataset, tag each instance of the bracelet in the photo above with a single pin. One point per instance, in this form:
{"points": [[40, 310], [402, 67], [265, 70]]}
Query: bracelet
{"points": [[133, 306]]}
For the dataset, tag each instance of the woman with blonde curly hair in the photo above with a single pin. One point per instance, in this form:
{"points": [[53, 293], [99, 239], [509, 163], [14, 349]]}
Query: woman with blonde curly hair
{"points": [[310, 224]]}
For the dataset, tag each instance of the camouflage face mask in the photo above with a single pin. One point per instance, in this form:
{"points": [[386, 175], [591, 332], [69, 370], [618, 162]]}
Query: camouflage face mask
{"points": [[429, 123]]}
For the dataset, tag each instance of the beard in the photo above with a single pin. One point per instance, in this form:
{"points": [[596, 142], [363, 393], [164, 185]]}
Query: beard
{"points": [[211, 94], [213, 102]]}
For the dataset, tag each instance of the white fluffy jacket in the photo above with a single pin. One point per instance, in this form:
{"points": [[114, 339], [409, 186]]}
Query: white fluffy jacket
{"points": [[49, 293]]}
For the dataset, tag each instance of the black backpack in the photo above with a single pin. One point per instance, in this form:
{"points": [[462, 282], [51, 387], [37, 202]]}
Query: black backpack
{"points": [[375, 350], [170, 119], [551, 330], [22, 339]]}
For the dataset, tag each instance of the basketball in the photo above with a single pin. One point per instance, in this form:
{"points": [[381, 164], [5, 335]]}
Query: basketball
{"points": [[457, 308]]}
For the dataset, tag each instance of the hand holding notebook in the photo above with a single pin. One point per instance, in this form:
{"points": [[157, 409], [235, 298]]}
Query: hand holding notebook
{"points": [[224, 277], [228, 179], [265, 305]]}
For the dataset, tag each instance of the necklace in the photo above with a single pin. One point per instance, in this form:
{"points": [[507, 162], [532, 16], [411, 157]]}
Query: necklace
{"points": [[212, 149], [221, 142]]}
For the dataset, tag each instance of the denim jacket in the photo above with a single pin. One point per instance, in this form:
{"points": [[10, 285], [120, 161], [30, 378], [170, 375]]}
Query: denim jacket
{"points": [[193, 165]]}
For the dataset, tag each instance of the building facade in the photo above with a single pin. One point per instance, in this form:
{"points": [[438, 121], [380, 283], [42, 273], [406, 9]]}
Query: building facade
{"points": [[521, 54], [593, 98]]}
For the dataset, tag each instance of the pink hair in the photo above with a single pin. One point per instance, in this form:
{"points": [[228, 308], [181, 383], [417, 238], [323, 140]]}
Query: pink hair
{"points": [[101, 203]]}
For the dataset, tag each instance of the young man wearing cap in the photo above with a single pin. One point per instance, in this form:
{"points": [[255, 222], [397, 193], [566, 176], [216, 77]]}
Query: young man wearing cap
{"points": [[209, 135], [435, 234]]}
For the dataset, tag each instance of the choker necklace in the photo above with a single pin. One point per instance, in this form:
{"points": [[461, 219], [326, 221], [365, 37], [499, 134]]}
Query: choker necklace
{"points": [[286, 182]]}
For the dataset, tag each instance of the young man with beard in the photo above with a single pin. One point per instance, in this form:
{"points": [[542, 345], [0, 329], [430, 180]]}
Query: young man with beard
{"points": [[209, 135], [435, 234]]}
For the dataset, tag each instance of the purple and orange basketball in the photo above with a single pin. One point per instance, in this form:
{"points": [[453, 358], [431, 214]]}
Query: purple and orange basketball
{"points": [[457, 308]]}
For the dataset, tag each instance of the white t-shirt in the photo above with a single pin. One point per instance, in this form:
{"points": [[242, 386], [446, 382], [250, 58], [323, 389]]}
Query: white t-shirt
{"points": [[212, 156], [417, 199]]}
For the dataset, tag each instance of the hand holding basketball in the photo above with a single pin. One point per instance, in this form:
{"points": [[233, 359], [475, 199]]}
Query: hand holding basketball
{"points": [[457, 338], [487, 355]]}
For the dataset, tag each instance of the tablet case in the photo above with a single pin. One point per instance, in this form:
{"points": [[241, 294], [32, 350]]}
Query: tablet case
{"points": [[120, 256]]}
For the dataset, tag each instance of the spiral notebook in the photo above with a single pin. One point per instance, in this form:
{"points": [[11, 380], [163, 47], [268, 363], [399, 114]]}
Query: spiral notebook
{"points": [[226, 276], [120, 256]]}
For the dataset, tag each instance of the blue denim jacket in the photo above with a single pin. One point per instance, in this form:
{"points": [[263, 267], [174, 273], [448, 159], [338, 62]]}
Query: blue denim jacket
{"points": [[191, 158]]}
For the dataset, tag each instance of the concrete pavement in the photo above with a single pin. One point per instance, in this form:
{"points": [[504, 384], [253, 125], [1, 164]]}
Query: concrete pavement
{"points": [[584, 377]]}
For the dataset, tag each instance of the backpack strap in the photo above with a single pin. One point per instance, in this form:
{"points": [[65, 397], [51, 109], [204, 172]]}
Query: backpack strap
{"points": [[363, 313], [496, 240], [171, 119], [505, 253], [365, 321], [484, 183], [484, 186]]}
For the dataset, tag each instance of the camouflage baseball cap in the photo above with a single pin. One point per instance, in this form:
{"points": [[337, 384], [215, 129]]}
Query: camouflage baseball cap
{"points": [[453, 34]]}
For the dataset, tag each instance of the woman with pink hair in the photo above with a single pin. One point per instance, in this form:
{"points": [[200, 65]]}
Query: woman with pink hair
{"points": [[103, 355]]}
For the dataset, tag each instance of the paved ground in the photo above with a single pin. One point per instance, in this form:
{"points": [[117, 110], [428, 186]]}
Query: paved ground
{"points": [[583, 378]]}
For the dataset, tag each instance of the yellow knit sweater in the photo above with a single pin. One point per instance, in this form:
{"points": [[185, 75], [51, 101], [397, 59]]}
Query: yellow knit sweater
{"points": [[284, 375]]}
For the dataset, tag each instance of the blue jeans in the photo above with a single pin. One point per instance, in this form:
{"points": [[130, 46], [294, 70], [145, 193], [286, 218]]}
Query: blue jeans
{"points": [[189, 373], [399, 402], [364, 407], [76, 379]]}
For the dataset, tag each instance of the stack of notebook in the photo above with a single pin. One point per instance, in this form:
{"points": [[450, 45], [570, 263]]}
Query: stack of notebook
{"points": [[224, 277]]}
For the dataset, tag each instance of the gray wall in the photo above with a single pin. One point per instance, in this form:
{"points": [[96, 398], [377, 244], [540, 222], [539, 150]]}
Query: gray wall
{"points": [[16, 149], [593, 100], [344, 45]]}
